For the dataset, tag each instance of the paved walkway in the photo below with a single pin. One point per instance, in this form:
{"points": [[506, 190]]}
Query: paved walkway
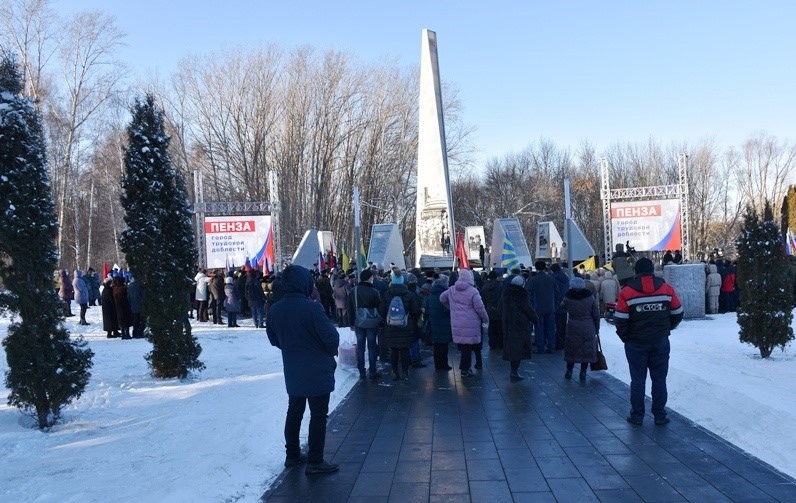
{"points": [[439, 438]]}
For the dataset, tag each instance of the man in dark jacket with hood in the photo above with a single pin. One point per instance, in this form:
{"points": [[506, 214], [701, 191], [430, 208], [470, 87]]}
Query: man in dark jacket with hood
{"points": [[648, 309], [308, 340]]}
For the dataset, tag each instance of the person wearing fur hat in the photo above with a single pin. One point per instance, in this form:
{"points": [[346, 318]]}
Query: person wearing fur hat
{"points": [[647, 310], [468, 316], [518, 318], [583, 326]]}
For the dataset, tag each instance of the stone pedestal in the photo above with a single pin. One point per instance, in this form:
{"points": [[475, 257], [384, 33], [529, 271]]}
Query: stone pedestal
{"points": [[688, 281]]}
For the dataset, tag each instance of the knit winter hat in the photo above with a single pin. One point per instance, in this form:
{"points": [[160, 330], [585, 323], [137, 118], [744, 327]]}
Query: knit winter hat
{"points": [[442, 280], [365, 275], [397, 277], [644, 266], [517, 281], [577, 283]]}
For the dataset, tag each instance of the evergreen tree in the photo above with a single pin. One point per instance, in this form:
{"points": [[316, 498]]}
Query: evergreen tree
{"points": [[788, 213], [764, 280], [158, 242], [46, 369]]}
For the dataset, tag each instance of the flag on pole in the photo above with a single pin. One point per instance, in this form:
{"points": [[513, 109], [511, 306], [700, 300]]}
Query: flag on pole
{"points": [[321, 262], [791, 243], [248, 265], [265, 256], [509, 259], [106, 270], [363, 256], [345, 259], [590, 264], [461, 253], [332, 257]]}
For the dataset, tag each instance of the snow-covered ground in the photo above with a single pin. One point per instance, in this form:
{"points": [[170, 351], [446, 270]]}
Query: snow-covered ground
{"points": [[726, 387], [218, 436]]}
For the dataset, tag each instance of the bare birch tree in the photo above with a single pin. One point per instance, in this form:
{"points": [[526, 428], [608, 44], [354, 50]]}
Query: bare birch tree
{"points": [[91, 77], [764, 166], [28, 28]]}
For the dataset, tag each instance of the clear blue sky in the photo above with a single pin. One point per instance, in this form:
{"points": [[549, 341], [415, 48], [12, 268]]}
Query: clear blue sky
{"points": [[605, 71]]}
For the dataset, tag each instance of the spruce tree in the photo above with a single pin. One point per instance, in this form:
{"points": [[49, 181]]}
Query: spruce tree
{"points": [[158, 242], [46, 369], [764, 280]]}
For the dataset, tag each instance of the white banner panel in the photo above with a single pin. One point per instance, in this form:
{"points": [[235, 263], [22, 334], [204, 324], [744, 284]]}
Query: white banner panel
{"points": [[473, 240], [232, 240], [647, 225]]}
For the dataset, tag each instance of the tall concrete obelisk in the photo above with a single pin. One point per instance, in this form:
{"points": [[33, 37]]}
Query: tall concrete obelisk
{"points": [[434, 225]]}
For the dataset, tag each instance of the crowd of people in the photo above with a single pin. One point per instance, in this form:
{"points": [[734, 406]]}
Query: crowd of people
{"points": [[395, 313], [119, 296], [518, 312]]}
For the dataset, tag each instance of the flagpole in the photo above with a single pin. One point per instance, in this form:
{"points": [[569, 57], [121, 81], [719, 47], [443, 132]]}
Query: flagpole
{"points": [[357, 231], [568, 228]]}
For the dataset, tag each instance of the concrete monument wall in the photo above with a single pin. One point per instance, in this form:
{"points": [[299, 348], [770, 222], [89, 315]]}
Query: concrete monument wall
{"points": [[688, 281]]}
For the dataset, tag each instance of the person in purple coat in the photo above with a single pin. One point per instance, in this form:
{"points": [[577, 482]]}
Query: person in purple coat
{"points": [[231, 302], [468, 318]]}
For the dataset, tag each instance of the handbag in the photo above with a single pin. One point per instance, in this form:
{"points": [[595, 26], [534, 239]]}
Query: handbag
{"points": [[366, 317], [347, 352], [600, 364]]}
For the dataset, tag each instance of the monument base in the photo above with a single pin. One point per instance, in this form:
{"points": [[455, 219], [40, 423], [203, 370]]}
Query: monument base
{"points": [[436, 261], [688, 281]]}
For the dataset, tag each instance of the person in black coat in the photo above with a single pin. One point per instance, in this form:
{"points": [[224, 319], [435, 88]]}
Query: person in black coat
{"points": [[543, 291], [518, 318], [398, 339], [326, 292], [216, 289], [123, 312], [440, 321], [308, 340], [583, 327], [110, 323], [255, 296], [490, 293]]}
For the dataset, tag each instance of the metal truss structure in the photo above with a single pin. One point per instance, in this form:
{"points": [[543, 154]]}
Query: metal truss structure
{"points": [[204, 209], [679, 191]]}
